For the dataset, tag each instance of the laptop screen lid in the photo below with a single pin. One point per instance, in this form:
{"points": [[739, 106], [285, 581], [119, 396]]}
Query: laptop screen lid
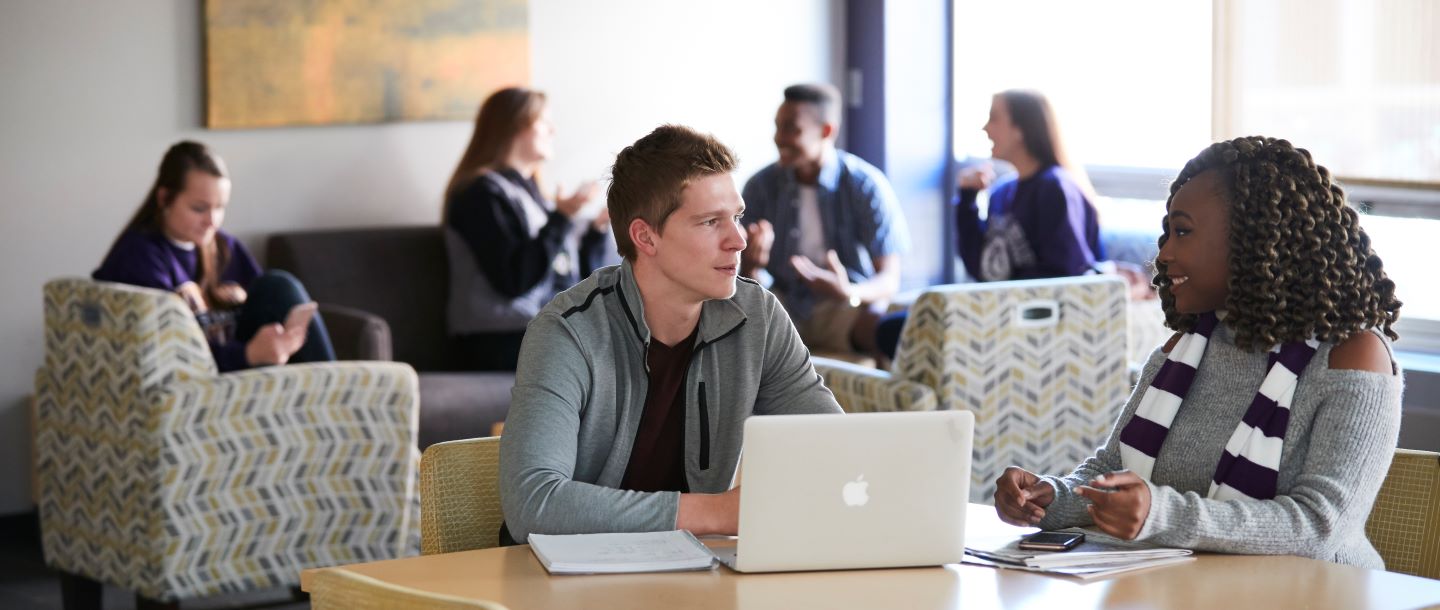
{"points": [[870, 490]]}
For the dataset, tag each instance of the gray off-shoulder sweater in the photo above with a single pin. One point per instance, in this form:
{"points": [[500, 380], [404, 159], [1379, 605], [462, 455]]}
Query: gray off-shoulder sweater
{"points": [[1342, 434]]}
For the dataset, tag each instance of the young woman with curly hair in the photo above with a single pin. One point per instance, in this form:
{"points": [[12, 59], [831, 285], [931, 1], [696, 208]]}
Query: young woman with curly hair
{"points": [[1267, 423]]}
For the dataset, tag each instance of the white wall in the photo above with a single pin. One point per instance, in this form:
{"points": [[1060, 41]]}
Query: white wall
{"points": [[93, 93]]}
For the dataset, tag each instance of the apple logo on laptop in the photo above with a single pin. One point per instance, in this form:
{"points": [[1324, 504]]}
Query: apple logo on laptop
{"points": [[855, 493]]}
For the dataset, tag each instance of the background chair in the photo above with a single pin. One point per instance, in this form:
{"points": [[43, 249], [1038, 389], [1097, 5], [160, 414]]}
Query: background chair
{"points": [[384, 292], [863, 389], [1041, 363], [159, 475], [340, 589], [1404, 525], [460, 496]]}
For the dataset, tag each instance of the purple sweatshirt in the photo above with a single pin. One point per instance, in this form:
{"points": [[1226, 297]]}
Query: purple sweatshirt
{"points": [[148, 259], [1042, 226]]}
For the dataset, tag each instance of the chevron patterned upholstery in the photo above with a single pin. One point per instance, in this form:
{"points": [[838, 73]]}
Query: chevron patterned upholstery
{"points": [[161, 476], [1044, 395], [861, 389], [460, 496]]}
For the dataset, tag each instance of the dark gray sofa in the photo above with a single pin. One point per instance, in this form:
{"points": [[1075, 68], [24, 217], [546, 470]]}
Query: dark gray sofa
{"points": [[383, 293]]}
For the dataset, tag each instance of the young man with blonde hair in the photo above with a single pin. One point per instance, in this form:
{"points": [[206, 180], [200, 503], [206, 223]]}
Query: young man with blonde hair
{"points": [[634, 385]]}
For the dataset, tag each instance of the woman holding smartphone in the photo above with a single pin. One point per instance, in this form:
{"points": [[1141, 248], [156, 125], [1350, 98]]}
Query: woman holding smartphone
{"points": [[1267, 423], [511, 249], [174, 242]]}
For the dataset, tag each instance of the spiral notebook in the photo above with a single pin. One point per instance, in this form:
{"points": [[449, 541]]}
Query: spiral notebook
{"points": [[673, 551]]}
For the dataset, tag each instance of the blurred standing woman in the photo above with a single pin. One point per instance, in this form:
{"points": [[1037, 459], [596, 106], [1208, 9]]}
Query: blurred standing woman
{"points": [[510, 248], [174, 242]]}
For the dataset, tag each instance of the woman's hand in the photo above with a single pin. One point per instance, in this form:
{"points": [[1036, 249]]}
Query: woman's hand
{"points": [[975, 177], [570, 206], [229, 295], [194, 297], [1120, 509], [1021, 497], [274, 344], [602, 220]]}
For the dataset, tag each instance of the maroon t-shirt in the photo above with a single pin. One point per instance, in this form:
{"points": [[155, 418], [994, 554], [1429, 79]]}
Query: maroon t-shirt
{"points": [[657, 460]]}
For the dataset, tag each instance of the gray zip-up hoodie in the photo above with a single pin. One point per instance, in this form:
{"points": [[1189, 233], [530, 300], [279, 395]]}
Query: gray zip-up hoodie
{"points": [[580, 391]]}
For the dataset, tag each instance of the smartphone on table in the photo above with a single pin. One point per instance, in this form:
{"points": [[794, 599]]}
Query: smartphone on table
{"points": [[1052, 541]]}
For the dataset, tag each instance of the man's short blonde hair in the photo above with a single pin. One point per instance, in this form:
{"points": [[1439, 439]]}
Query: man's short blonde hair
{"points": [[650, 175]]}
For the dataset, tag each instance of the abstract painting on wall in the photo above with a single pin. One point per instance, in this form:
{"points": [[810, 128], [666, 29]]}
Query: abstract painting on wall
{"points": [[271, 63]]}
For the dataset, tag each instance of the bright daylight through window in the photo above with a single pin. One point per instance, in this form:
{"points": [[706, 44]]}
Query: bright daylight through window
{"points": [[1140, 87]]}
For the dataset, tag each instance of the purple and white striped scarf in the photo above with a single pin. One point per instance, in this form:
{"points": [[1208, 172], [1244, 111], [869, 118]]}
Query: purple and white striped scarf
{"points": [[1249, 467]]}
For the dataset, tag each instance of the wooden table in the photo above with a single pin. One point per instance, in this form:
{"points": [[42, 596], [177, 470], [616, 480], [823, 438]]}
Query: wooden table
{"points": [[513, 577]]}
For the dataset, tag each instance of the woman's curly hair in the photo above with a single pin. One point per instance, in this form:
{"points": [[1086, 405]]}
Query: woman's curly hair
{"points": [[1300, 265]]}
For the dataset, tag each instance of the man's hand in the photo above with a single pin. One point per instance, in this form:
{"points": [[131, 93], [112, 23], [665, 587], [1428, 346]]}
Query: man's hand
{"points": [[759, 237], [1121, 509], [707, 514], [1138, 281], [274, 344], [832, 282], [1021, 497]]}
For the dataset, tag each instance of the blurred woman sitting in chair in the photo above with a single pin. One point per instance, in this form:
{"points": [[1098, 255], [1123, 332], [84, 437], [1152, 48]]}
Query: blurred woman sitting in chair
{"points": [[174, 242]]}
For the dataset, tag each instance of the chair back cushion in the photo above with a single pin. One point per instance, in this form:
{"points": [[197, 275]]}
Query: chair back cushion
{"points": [[1041, 363], [128, 337], [460, 496], [398, 273], [1404, 526]]}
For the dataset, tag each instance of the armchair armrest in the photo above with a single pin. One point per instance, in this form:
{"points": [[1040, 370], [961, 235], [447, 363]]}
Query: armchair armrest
{"points": [[357, 334], [865, 390]]}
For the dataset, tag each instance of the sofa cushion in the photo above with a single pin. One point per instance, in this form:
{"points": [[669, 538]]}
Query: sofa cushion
{"points": [[397, 273], [462, 405]]}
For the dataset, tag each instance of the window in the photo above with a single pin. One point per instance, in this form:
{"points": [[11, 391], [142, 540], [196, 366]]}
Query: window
{"points": [[1129, 79], [1148, 84], [1141, 87], [1355, 82]]}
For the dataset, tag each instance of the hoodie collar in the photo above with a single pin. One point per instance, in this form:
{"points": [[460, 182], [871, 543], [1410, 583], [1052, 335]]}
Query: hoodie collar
{"points": [[718, 317]]}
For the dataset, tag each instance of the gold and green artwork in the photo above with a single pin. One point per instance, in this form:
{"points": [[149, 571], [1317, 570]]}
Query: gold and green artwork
{"points": [[319, 62]]}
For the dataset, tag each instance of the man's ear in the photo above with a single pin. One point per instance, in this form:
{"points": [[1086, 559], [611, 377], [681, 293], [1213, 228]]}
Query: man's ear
{"points": [[828, 129], [643, 236]]}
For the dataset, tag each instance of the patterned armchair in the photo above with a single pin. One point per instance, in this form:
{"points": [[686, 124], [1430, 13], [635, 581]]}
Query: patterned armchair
{"points": [[159, 475], [1041, 363]]}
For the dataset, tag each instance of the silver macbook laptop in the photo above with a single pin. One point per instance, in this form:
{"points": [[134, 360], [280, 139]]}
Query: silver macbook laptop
{"points": [[872, 490]]}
